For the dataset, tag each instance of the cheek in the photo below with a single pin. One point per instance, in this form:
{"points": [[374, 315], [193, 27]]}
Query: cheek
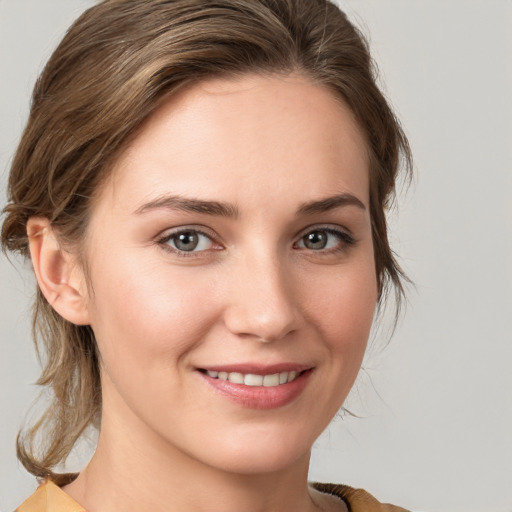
{"points": [[342, 306], [143, 312], [345, 300]]}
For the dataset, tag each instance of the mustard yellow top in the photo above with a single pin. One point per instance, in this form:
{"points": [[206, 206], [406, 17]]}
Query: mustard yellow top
{"points": [[50, 498]]}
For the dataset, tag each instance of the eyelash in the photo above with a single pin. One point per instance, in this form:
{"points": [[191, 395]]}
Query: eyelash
{"points": [[345, 240], [164, 241]]}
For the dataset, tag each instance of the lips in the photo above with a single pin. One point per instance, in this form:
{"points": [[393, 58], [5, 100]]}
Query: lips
{"points": [[258, 387]]}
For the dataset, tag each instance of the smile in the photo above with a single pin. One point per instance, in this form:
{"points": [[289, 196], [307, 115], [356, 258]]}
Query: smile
{"points": [[251, 379], [258, 387]]}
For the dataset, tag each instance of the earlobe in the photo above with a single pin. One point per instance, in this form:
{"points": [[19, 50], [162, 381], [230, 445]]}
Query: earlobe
{"points": [[59, 276]]}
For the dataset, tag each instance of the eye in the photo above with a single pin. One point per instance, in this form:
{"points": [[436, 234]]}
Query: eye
{"points": [[324, 240], [187, 240]]}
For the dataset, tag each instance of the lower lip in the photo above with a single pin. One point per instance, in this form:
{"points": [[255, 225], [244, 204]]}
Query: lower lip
{"points": [[260, 397]]}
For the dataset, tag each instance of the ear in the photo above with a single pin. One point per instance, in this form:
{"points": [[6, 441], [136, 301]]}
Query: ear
{"points": [[58, 274]]}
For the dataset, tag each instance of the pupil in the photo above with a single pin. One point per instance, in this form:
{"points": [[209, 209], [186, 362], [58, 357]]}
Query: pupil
{"points": [[316, 240], [186, 241]]}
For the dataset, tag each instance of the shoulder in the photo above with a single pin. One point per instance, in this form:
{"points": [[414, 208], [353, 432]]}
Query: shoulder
{"points": [[49, 498], [357, 500]]}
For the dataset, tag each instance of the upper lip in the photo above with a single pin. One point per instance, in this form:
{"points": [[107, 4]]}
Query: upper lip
{"points": [[257, 369]]}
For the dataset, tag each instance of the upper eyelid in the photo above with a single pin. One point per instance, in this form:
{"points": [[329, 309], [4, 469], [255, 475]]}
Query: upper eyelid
{"points": [[327, 227], [203, 230]]}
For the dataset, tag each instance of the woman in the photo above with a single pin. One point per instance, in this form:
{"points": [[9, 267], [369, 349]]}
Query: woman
{"points": [[201, 188]]}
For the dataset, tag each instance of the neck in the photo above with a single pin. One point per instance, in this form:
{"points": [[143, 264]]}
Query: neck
{"points": [[127, 475]]}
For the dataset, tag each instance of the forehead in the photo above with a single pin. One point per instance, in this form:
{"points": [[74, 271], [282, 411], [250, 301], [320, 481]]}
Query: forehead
{"points": [[224, 137]]}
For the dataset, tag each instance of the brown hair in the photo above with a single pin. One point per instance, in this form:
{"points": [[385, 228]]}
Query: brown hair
{"points": [[114, 67]]}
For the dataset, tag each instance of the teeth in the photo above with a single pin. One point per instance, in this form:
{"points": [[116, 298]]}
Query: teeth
{"points": [[250, 379], [253, 380], [271, 380], [236, 378]]}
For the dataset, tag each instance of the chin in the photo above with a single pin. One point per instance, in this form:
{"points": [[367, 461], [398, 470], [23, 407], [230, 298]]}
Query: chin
{"points": [[264, 462], [258, 453]]}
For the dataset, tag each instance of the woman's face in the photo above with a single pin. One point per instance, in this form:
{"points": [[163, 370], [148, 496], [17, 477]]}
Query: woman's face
{"points": [[233, 241]]}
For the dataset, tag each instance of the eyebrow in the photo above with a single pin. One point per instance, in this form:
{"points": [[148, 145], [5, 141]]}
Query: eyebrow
{"points": [[221, 209], [329, 203], [187, 204]]}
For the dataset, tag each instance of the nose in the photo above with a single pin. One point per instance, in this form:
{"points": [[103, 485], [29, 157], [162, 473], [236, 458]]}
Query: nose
{"points": [[262, 303]]}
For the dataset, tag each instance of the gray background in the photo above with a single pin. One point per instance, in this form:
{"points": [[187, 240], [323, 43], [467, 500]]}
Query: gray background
{"points": [[436, 403]]}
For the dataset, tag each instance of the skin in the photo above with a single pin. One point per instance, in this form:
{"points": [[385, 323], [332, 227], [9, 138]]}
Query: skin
{"points": [[253, 291]]}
